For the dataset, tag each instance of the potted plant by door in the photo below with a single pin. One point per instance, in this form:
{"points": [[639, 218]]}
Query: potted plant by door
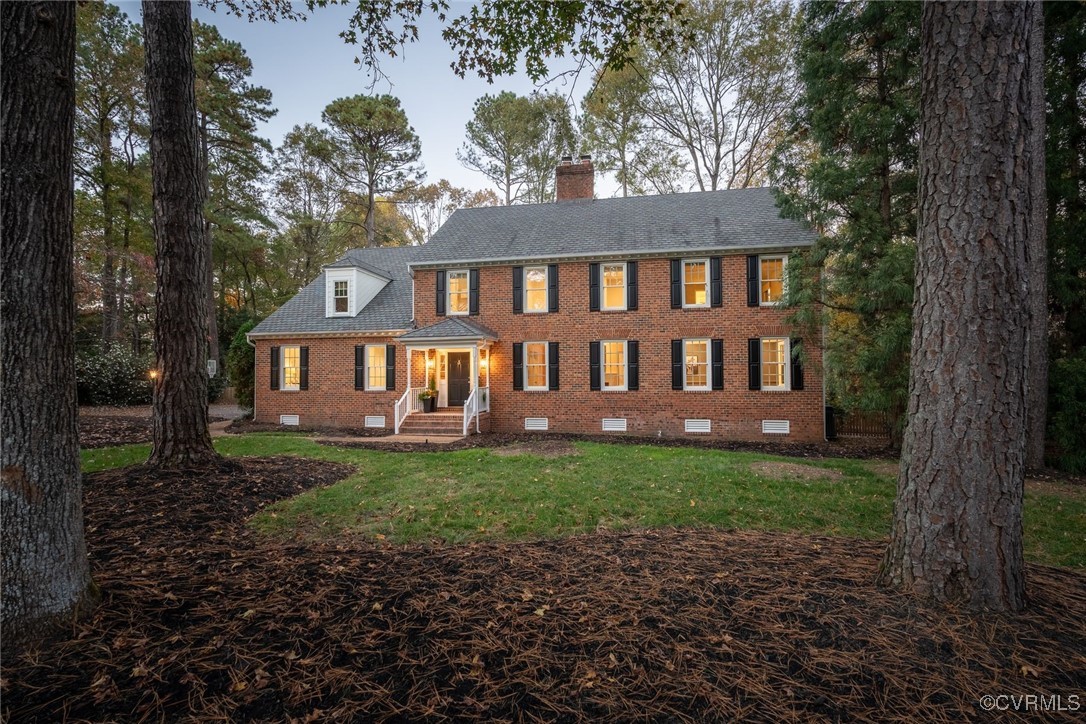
{"points": [[428, 397]]}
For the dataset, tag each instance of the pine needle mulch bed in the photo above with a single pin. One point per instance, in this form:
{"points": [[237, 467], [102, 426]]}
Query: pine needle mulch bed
{"points": [[205, 620], [96, 431]]}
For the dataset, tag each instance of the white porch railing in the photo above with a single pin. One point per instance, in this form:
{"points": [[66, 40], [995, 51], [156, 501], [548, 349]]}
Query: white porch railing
{"points": [[405, 406], [478, 401], [470, 409]]}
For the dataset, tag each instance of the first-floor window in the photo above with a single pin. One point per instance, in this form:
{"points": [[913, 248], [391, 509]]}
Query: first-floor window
{"points": [[696, 367], [535, 365], [376, 370], [614, 365], [775, 355], [291, 368], [458, 292]]}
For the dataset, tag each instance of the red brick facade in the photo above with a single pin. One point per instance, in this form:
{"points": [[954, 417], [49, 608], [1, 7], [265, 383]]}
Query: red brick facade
{"points": [[653, 410]]}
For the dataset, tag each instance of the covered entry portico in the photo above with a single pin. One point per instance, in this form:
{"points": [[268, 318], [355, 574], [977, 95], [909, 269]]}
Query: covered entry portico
{"points": [[452, 358]]}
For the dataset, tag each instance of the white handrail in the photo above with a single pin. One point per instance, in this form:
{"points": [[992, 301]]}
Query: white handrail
{"points": [[469, 410], [404, 407]]}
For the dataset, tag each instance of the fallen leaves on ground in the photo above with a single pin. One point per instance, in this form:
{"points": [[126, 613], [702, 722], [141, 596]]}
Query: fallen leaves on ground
{"points": [[205, 620]]}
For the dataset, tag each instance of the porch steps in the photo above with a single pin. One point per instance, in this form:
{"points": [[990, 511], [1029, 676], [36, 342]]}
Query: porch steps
{"points": [[434, 423]]}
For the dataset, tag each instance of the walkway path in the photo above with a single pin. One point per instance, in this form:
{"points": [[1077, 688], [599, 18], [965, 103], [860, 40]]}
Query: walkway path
{"points": [[218, 429]]}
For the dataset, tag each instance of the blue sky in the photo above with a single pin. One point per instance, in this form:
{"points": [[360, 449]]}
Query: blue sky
{"points": [[306, 65]]}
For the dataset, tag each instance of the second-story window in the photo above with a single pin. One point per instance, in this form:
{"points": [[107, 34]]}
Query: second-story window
{"points": [[340, 297], [614, 286], [535, 289], [771, 274], [458, 292], [695, 283]]}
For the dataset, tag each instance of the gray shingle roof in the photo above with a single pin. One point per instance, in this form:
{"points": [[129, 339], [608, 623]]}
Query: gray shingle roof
{"points": [[744, 219], [390, 310], [451, 328]]}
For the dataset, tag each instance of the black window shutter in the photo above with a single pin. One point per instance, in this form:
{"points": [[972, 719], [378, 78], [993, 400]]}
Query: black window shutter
{"points": [[797, 366], [473, 291], [594, 365], [552, 365], [631, 285], [518, 289], [754, 362], [275, 368], [676, 283], [518, 365], [360, 366], [716, 284], [594, 288], [552, 289], [753, 294], [676, 364], [303, 358], [390, 367], [718, 364], [632, 366], [439, 291]]}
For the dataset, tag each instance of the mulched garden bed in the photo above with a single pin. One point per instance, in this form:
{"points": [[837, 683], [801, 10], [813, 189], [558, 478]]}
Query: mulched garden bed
{"points": [[205, 620], [108, 430], [246, 425], [852, 449]]}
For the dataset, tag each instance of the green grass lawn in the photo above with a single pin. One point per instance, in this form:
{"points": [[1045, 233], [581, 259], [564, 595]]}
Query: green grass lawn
{"points": [[476, 494]]}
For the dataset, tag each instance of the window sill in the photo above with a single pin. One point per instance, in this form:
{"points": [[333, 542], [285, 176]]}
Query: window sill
{"points": [[536, 389]]}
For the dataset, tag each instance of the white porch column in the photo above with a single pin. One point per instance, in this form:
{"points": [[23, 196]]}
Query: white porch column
{"points": [[474, 366]]}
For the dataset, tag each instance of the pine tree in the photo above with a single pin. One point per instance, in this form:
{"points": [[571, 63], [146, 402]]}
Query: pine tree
{"points": [[849, 167]]}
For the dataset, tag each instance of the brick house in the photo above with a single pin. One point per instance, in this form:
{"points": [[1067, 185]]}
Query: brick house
{"points": [[653, 316]]}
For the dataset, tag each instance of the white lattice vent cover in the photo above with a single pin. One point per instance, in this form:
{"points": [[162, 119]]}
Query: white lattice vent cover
{"points": [[775, 427], [614, 424], [288, 420], [537, 423], [699, 426], [375, 420]]}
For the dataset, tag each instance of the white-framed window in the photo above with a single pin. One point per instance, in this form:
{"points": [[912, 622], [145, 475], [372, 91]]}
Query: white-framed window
{"points": [[695, 283], [613, 283], [776, 355], [340, 301], [376, 369], [614, 365], [457, 292], [696, 364], [771, 279], [535, 366], [291, 368], [535, 289]]}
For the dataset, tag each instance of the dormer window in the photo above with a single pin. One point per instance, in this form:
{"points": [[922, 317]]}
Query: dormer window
{"points": [[340, 299]]}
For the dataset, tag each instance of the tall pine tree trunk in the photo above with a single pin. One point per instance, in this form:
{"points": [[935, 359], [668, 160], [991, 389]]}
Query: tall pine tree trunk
{"points": [[205, 181], [1037, 399], [45, 575], [180, 437], [957, 527]]}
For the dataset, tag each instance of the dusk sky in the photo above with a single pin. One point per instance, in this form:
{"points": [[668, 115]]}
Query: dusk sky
{"points": [[306, 65]]}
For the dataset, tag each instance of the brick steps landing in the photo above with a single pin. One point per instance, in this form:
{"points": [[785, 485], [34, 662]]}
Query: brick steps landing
{"points": [[434, 423]]}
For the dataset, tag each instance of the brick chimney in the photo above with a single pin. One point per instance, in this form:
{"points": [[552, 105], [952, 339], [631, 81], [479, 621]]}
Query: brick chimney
{"points": [[575, 179]]}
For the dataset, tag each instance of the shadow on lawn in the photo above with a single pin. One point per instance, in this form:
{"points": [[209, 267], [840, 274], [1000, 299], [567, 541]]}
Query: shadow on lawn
{"points": [[203, 619]]}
